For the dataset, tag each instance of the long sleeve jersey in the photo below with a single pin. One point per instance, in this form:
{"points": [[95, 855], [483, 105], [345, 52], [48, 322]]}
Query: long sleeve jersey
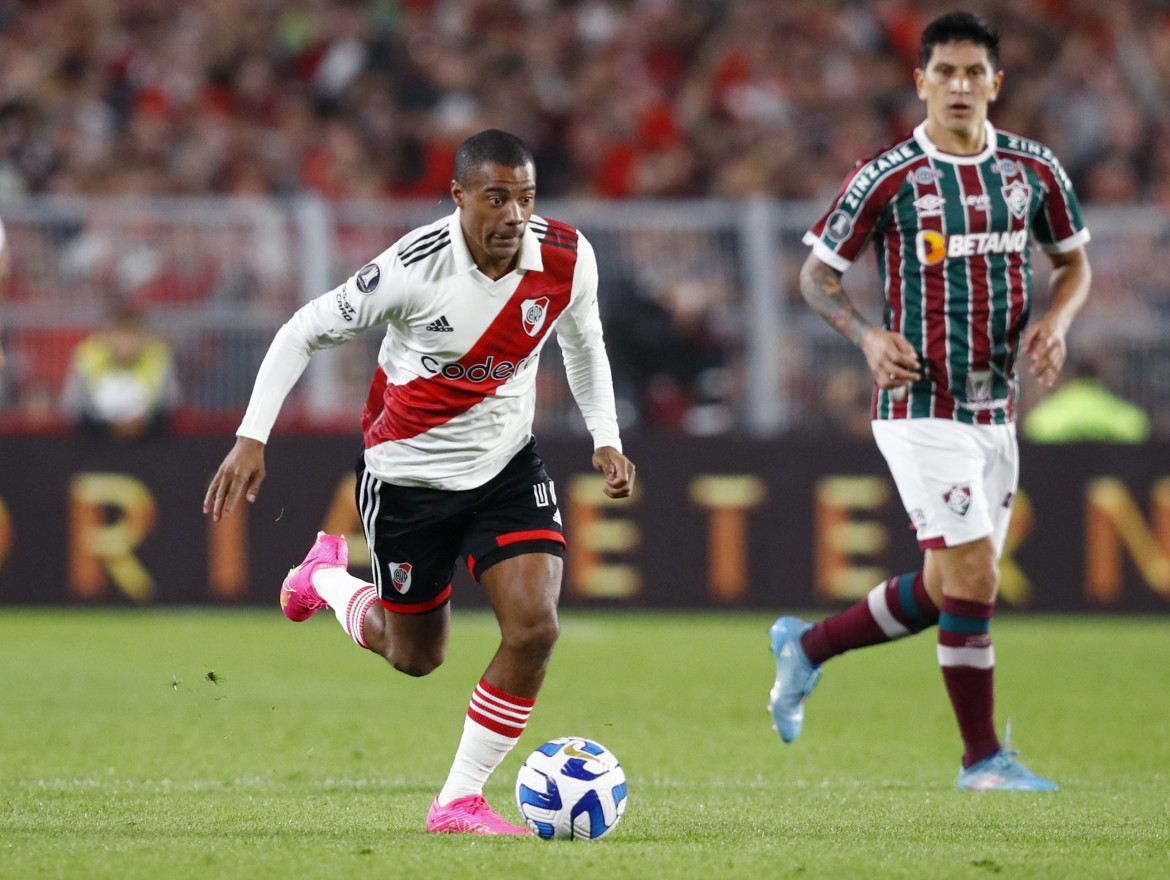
{"points": [[453, 395]]}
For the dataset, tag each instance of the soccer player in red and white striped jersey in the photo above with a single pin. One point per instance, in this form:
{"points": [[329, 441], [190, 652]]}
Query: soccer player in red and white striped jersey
{"points": [[449, 468], [952, 210]]}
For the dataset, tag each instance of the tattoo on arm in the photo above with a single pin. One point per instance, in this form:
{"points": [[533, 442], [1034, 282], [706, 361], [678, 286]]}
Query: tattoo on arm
{"points": [[820, 285]]}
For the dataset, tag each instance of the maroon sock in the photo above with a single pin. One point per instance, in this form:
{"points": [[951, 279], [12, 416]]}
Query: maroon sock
{"points": [[899, 607], [967, 659]]}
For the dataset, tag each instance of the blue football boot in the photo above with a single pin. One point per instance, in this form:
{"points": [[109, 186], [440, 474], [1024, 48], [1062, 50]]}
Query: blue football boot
{"points": [[1002, 771], [795, 677]]}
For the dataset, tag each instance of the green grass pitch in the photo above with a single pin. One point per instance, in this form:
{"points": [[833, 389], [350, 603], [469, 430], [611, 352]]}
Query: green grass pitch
{"points": [[121, 757]]}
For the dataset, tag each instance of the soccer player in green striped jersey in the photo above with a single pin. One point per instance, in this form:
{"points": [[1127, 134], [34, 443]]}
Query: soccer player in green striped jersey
{"points": [[952, 210]]}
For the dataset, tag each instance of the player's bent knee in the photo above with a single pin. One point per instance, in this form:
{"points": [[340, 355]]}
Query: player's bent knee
{"points": [[969, 572], [414, 669], [536, 637], [416, 663], [416, 644], [982, 580], [414, 666]]}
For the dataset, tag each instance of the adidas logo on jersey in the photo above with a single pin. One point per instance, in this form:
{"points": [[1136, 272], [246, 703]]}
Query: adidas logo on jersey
{"points": [[440, 326]]}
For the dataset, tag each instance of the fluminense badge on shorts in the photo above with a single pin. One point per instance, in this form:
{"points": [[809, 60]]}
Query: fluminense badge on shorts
{"points": [[958, 499]]}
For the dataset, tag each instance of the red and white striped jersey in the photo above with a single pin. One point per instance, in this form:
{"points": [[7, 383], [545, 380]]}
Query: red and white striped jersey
{"points": [[453, 396]]}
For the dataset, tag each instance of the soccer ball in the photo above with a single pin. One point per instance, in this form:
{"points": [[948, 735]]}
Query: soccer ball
{"points": [[571, 788]]}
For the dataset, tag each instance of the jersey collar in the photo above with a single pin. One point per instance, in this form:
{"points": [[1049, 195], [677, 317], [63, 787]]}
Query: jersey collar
{"points": [[934, 152], [530, 257]]}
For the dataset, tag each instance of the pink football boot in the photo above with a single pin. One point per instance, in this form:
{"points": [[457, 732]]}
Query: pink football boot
{"points": [[298, 598], [469, 815]]}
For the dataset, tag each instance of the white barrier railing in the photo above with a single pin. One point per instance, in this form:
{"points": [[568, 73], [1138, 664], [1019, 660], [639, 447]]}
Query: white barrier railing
{"points": [[705, 326]]}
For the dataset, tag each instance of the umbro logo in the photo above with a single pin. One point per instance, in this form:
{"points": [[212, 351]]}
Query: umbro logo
{"points": [[440, 326], [929, 205]]}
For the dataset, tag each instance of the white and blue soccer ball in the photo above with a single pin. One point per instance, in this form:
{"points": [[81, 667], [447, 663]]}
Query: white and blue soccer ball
{"points": [[571, 788]]}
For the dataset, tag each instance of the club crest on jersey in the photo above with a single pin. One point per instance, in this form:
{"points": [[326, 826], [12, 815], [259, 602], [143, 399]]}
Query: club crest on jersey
{"points": [[1018, 196], [958, 499], [400, 576], [533, 313], [367, 278]]}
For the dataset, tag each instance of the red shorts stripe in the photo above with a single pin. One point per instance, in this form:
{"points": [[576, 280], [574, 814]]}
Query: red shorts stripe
{"points": [[403, 608], [531, 535]]}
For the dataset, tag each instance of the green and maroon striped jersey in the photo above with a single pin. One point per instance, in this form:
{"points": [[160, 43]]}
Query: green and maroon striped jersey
{"points": [[952, 239]]}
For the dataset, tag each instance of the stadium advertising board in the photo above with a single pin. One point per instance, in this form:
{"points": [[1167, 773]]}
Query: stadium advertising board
{"points": [[714, 523]]}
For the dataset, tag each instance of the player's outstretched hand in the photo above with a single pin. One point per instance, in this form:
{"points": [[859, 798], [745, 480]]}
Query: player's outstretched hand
{"points": [[241, 473], [618, 470]]}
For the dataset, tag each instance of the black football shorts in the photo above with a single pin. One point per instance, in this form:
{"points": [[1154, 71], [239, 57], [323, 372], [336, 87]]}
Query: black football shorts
{"points": [[417, 535]]}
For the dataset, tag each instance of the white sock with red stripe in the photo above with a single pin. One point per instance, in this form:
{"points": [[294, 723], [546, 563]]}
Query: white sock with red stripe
{"points": [[349, 597], [495, 720]]}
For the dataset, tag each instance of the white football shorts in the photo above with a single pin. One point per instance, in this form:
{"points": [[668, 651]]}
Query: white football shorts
{"points": [[957, 481]]}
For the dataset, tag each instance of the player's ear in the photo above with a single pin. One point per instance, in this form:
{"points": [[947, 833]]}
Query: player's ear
{"points": [[457, 192], [996, 83]]}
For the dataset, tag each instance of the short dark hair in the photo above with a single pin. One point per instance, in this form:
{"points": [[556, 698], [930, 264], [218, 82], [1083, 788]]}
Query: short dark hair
{"points": [[491, 147], [958, 27]]}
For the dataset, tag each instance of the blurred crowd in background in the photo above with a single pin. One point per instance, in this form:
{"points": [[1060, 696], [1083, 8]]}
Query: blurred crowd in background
{"points": [[627, 104], [618, 98]]}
